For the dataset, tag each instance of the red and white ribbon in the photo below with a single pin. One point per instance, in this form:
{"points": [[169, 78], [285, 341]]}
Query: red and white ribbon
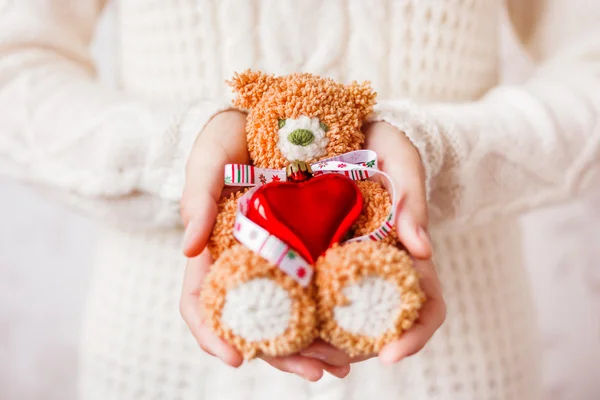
{"points": [[356, 165]]}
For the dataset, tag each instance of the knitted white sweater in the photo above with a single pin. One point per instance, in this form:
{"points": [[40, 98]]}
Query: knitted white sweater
{"points": [[490, 153]]}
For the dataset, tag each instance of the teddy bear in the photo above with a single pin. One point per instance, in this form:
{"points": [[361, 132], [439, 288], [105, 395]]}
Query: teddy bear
{"points": [[360, 294]]}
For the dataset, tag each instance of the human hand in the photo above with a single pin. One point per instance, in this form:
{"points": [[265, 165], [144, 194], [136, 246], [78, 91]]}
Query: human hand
{"points": [[223, 141], [310, 368], [401, 160], [431, 316]]}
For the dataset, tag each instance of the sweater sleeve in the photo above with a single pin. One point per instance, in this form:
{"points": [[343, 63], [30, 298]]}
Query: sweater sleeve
{"points": [[113, 154], [520, 146]]}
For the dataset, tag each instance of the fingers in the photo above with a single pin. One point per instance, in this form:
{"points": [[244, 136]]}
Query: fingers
{"points": [[341, 371], [200, 223], [312, 361], [431, 317], [204, 183], [325, 352], [331, 355], [413, 233], [308, 368], [399, 158], [222, 141], [417, 337], [195, 271]]}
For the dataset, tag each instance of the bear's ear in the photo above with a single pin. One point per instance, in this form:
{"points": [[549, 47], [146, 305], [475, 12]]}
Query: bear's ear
{"points": [[250, 86], [363, 96]]}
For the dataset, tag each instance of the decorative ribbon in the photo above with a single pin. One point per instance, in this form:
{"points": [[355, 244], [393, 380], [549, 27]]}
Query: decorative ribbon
{"points": [[356, 165]]}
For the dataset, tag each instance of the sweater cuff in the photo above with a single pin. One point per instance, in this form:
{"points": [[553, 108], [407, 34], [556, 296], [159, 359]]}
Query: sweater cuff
{"points": [[419, 128], [185, 130]]}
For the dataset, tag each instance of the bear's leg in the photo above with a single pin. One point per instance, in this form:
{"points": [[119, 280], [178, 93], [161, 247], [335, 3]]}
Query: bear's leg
{"points": [[368, 294], [256, 307]]}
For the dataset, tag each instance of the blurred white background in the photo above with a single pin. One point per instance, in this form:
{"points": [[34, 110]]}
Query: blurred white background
{"points": [[45, 261]]}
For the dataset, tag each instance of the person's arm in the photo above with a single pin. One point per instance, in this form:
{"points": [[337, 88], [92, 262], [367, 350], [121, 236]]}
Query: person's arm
{"points": [[114, 154], [521, 146]]}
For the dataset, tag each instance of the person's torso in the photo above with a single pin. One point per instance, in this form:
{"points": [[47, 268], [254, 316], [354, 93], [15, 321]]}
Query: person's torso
{"points": [[135, 343], [426, 50]]}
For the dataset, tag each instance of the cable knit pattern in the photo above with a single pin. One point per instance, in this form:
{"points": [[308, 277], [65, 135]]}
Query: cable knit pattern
{"points": [[67, 131], [490, 152]]}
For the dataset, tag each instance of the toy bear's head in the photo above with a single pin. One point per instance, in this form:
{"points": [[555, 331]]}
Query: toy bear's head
{"points": [[301, 117]]}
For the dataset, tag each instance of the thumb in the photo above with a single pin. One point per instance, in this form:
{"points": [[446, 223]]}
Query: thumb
{"points": [[401, 160], [412, 211], [204, 183], [204, 176]]}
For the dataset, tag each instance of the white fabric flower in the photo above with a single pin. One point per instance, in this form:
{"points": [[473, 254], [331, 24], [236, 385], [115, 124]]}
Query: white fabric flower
{"points": [[315, 146]]}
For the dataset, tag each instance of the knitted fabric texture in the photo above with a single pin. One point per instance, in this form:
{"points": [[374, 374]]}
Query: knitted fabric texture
{"points": [[491, 152]]}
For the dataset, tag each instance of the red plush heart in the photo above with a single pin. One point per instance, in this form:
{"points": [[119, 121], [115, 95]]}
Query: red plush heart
{"points": [[309, 216]]}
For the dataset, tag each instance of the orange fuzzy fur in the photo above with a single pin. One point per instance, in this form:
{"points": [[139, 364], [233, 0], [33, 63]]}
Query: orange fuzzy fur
{"points": [[343, 108], [346, 264], [237, 265], [221, 237]]}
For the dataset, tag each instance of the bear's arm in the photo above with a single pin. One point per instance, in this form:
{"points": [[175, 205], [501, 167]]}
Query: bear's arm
{"points": [[221, 237], [376, 207]]}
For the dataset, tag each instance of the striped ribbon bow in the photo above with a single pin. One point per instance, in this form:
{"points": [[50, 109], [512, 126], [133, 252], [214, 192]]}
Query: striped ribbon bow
{"points": [[356, 165]]}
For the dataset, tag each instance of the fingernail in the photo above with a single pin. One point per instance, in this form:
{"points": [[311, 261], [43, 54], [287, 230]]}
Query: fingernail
{"points": [[188, 235], [313, 354], [315, 377], [227, 357], [345, 371], [389, 360], [391, 354], [340, 372], [424, 236], [309, 374]]}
